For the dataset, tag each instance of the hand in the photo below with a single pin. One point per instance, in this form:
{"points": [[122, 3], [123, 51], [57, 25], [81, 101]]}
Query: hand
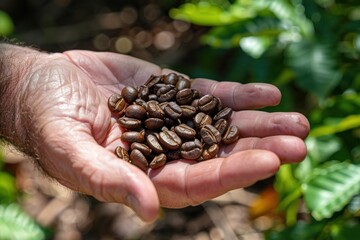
{"points": [[65, 97]]}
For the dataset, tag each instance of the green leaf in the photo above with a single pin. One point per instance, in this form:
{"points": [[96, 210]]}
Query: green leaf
{"points": [[330, 188], [315, 67], [321, 148], [6, 24], [347, 123], [8, 188], [15, 224]]}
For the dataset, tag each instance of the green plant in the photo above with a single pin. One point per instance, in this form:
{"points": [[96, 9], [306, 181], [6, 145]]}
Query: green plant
{"points": [[6, 24], [310, 50]]}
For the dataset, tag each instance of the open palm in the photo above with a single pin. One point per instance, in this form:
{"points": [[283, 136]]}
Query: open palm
{"points": [[65, 99]]}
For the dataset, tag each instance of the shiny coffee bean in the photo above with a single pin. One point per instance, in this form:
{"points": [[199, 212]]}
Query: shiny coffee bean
{"points": [[191, 150], [171, 79], [221, 125], [153, 79], [129, 94], [122, 153], [143, 92], [172, 110], [153, 142], [210, 135], [225, 113], [196, 94], [158, 161], [185, 132], [201, 119], [184, 96], [210, 152], [183, 83], [140, 102], [169, 122], [166, 93], [195, 103], [129, 123], [152, 97], [169, 139], [188, 111], [145, 149], [219, 106], [207, 103], [135, 111], [231, 135], [138, 159], [158, 86], [133, 136], [174, 155], [154, 123], [154, 110], [116, 103]]}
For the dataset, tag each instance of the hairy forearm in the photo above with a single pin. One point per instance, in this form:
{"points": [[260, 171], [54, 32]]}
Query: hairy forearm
{"points": [[15, 64]]}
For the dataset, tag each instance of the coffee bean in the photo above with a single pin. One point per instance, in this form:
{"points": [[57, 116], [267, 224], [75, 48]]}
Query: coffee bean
{"points": [[153, 142], [158, 161], [122, 153], [210, 134], [153, 97], [133, 136], [221, 125], [172, 110], [231, 135], [191, 150], [185, 132], [224, 113], [140, 102], [171, 79], [201, 119], [183, 83], [129, 123], [154, 123], [184, 96], [116, 103], [166, 93], [207, 103], [154, 110], [138, 159], [210, 152], [188, 111], [174, 155], [143, 92], [135, 111], [145, 149], [169, 139], [129, 94], [153, 79]]}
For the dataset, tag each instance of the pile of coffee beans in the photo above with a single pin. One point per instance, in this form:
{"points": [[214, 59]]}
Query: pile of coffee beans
{"points": [[165, 119]]}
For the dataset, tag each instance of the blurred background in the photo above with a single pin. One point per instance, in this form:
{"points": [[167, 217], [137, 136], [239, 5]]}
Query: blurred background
{"points": [[308, 49]]}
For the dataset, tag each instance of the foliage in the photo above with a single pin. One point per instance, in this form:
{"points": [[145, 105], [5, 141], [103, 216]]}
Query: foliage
{"points": [[310, 50], [6, 24]]}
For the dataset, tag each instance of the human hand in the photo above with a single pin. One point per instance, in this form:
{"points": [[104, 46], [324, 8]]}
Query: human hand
{"points": [[64, 108]]}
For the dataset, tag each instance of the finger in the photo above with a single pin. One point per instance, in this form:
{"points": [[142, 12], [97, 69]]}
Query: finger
{"points": [[88, 168], [181, 184], [289, 149], [240, 96], [263, 124]]}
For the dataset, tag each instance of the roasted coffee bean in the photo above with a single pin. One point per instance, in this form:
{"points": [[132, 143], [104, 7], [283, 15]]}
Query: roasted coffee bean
{"points": [[174, 155], [195, 103], [152, 97], [207, 103], [135, 111], [224, 113], [231, 135], [140, 102], [219, 106], [153, 79], [191, 150], [188, 111], [172, 110], [129, 123], [122, 153], [171, 79], [163, 105], [154, 110], [145, 149], [153, 142], [196, 94], [210, 135], [158, 161], [143, 92], [166, 93], [154, 123], [221, 125], [138, 159], [184, 96], [158, 86], [183, 83], [116, 103], [169, 139], [201, 119], [129, 94], [210, 152], [133, 136], [169, 122], [189, 122], [185, 132]]}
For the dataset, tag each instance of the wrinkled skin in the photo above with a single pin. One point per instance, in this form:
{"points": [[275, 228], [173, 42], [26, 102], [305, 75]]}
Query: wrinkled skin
{"points": [[64, 107]]}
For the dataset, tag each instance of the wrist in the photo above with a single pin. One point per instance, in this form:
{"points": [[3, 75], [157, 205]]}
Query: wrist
{"points": [[16, 63]]}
